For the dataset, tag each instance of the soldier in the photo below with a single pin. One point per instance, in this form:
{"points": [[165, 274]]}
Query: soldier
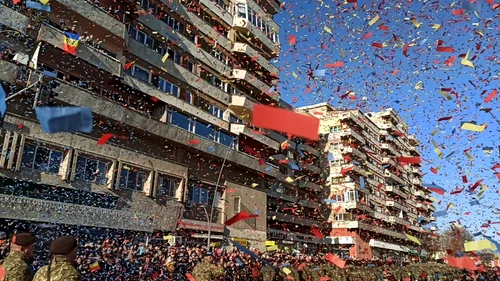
{"points": [[206, 270], [17, 264], [61, 266]]}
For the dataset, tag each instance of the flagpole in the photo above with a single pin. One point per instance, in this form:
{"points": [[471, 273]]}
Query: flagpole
{"points": [[213, 201]]}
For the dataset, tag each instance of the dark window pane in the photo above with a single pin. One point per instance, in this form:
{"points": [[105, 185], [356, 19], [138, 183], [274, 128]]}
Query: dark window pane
{"points": [[205, 131], [28, 156], [42, 159], [180, 120]]}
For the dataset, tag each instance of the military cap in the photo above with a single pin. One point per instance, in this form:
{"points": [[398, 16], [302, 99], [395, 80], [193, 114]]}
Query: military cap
{"points": [[63, 245], [24, 239]]}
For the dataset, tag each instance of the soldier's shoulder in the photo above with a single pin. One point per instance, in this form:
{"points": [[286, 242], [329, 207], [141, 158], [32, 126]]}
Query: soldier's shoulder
{"points": [[41, 274]]}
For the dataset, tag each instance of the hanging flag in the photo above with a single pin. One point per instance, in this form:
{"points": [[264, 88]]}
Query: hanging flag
{"points": [[71, 42], [65, 119], [37, 6], [129, 65]]}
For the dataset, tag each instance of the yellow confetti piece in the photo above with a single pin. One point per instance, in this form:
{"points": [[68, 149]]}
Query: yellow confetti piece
{"points": [[289, 179], [286, 270], [295, 75], [472, 127], [342, 52], [469, 156], [327, 29], [419, 86], [416, 23], [374, 20], [255, 184], [445, 94], [270, 243], [434, 132], [436, 26], [164, 58], [466, 61], [272, 248], [434, 199], [413, 239]]}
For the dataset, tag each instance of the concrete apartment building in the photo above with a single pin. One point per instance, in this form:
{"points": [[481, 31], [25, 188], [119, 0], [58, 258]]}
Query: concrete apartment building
{"points": [[374, 200], [175, 119]]}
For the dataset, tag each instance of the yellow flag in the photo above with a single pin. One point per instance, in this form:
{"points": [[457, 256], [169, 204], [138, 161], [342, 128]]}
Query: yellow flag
{"points": [[472, 127], [374, 20], [45, 2], [270, 243], [479, 245]]}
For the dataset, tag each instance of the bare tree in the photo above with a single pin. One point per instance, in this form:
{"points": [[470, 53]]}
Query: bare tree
{"points": [[453, 239]]}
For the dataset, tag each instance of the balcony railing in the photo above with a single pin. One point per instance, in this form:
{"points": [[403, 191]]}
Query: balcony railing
{"points": [[13, 19], [253, 54], [413, 140], [351, 132], [291, 218], [22, 208], [246, 26], [239, 129], [257, 84], [220, 12], [93, 56]]}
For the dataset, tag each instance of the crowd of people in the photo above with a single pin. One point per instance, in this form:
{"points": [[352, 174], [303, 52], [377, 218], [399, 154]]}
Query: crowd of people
{"points": [[104, 254]]}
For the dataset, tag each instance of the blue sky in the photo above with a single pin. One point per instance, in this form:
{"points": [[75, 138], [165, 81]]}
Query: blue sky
{"points": [[371, 74]]}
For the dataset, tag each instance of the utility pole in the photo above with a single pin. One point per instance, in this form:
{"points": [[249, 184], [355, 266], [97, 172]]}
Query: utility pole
{"points": [[213, 201]]}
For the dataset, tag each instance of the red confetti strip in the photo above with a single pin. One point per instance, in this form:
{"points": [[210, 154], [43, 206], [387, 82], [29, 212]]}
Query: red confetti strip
{"points": [[239, 217], [292, 40], [194, 142], [316, 232], [368, 35], [377, 45], [335, 64], [285, 121], [434, 171], [458, 12], [491, 96], [104, 139], [410, 160], [464, 179], [383, 27], [445, 49], [447, 118]]}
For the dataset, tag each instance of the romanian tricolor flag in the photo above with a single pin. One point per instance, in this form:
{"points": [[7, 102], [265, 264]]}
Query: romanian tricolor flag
{"points": [[71, 42], [94, 267]]}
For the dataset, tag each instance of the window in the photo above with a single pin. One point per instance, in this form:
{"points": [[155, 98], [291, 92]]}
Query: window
{"points": [[198, 195], [237, 204], [139, 73], [241, 10], [166, 186], [351, 196], [227, 140], [41, 158], [339, 198], [174, 55], [215, 111], [278, 188], [168, 87], [235, 120], [187, 97], [140, 36], [182, 121], [205, 131], [92, 170], [335, 129], [190, 66], [132, 178]]}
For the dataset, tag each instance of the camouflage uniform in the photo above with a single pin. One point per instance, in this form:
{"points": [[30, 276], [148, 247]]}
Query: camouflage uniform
{"points": [[206, 271], [60, 270], [17, 267]]}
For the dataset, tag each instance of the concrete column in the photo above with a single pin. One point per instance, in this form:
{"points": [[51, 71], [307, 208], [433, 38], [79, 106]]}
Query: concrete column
{"points": [[65, 167]]}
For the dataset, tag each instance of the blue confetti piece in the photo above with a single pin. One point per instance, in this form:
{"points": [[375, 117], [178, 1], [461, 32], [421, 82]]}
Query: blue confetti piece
{"points": [[210, 149], [268, 168]]}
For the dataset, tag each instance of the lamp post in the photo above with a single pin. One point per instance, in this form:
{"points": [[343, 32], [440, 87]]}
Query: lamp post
{"points": [[213, 201]]}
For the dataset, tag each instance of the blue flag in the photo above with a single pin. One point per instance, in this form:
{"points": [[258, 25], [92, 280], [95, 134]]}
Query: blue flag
{"points": [[65, 119], [3, 103]]}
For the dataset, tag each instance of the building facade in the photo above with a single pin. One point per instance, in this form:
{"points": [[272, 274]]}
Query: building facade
{"points": [[175, 83], [375, 202]]}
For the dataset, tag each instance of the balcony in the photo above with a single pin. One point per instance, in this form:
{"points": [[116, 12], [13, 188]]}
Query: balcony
{"points": [[412, 139], [354, 134], [382, 230], [55, 37], [373, 183], [308, 149], [422, 206], [415, 228], [71, 94], [290, 218], [310, 186], [374, 168], [272, 6], [93, 14], [218, 11], [411, 202], [352, 116], [274, 234], [252, 81], [252, 54], [239, 129], [395, 190], [431, 207], [242, 107], [416, 170], [310, 167], [393, 177], [383, 133], [389, 202], [351, 205], [203, 56], [354, 151], [376, 199], [281, 196], [416, 182], [345, 224], [180, 73], [24, 208], [309, 204], [244, 26], [415, 149], [279, 138], [13, 19], [389, 148], [381, 216], [201, 25], [174, 101]]}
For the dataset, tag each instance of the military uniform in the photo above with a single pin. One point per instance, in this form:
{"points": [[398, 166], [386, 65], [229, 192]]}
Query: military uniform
{"points": [[206, 271], [17, 267], [61, 269], [61, 266], [16, 264]]}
